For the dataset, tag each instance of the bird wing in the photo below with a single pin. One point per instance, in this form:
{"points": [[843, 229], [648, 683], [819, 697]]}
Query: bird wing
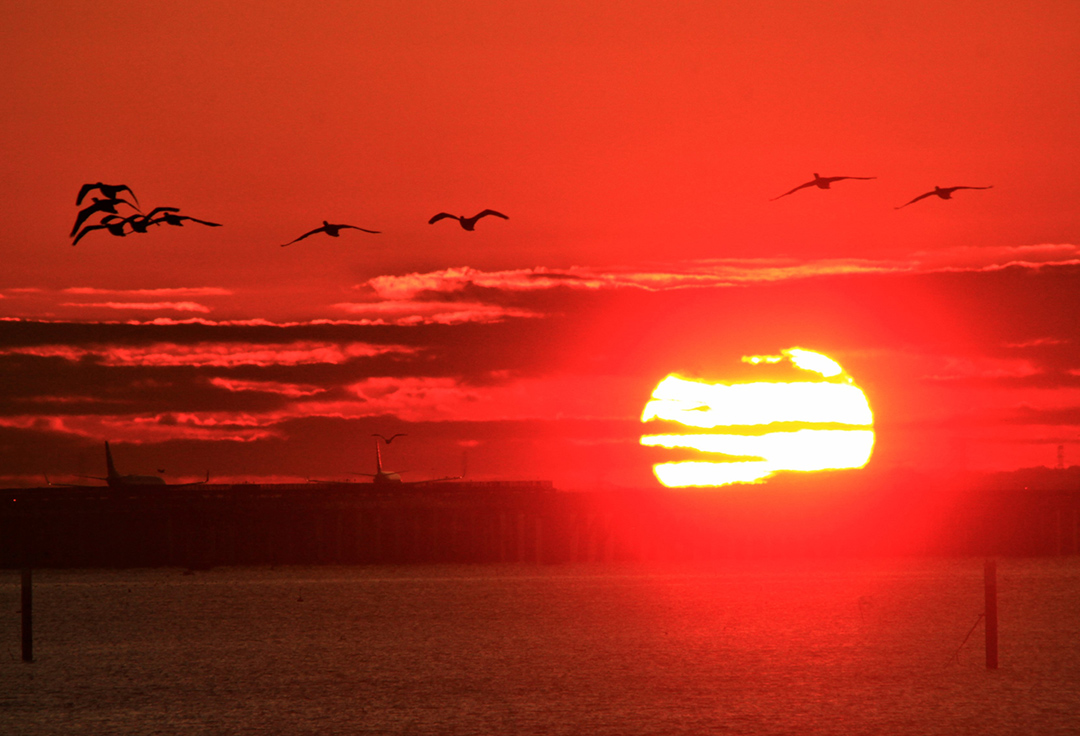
{"points": [[841, 178], [115, 224], [953, 189], [441, 216], [485, 213], [316, 230], [85, 230], [211, 224], [354, 227], [86, 189], [117, 200], [125, 188], [85, 213], [801, 186], [921, 196], [399, 434], [162, 209]]}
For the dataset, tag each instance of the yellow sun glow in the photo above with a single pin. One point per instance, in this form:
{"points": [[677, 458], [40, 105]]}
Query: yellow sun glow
{"points": [[830, 398]]}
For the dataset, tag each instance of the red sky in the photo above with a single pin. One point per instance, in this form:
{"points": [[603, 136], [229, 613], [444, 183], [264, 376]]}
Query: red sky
{"points": [[634, 146]]}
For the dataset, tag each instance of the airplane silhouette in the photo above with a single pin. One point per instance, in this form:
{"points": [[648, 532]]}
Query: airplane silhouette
{"points": [[393, 478], [943, 192], [99, 205], [113, 223], [331, 230], [108, 190], [468, 223], [383, 477], [821, 182], [115, 480]]}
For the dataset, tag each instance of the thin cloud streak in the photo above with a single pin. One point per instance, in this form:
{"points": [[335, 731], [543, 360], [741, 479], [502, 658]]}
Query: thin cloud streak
{"points": [[162, 292], [149, 428], [216, 354], [716, 273], [148, 306], [453, 296], [955, 368], [410, 312], [291, 390]]}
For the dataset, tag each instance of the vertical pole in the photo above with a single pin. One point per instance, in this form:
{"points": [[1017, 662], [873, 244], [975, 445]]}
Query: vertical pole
{"points": [[990, 581], [27, 615]]}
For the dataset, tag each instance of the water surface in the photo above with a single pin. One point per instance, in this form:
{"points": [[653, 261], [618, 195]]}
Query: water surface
{"points": [[743, 648]]}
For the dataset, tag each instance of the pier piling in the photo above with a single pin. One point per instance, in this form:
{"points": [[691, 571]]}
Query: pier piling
{"points": [[27, 615], [990, 583]]}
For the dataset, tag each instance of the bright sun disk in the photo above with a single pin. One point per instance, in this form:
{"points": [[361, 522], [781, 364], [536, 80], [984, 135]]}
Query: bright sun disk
{"points": [[830, 398]]}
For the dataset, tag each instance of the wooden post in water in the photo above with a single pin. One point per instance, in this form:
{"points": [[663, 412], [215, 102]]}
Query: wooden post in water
{"points": [[990, 582], [27, 615]]}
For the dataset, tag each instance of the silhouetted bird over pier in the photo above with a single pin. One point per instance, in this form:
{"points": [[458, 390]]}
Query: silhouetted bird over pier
{"points": [[331, 230], [821, 182], [469, 223], [943, 192], [108, 190]]}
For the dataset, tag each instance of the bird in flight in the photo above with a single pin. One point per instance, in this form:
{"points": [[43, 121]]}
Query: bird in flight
{"points": [[469, 223], [821, 182], [169, 217], [99, 205], [391, 439], [109, 190], [943, 192], [113, 223], [140, 223], [331, 230]]}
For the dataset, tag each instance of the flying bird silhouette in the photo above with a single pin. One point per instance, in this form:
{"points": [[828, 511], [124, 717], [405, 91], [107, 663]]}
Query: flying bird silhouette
{"points": [[140, 223], [391, 439], [169, 217], [821, 182], [469, 223], [109, 190], [943, 192], [99, 205], [113, 223], [331, 230]]}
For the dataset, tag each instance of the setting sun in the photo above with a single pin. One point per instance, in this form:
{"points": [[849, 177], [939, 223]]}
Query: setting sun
{"points": [[821, 423]]}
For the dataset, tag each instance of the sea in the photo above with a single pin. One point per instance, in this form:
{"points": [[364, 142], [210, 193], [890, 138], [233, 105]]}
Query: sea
{"points": [[743, 647]]}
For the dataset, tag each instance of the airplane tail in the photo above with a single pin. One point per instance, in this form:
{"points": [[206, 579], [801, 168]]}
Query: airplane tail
{"points": [[109, 463]]}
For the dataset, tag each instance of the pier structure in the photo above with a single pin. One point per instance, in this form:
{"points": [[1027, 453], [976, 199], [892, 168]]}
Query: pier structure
{"points": [[511, 522]]}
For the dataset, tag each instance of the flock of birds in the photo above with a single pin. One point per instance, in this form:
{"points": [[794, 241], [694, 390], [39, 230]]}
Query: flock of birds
{"points": [[107, 204], [112, 222], [825, 182], [468, 223]]}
